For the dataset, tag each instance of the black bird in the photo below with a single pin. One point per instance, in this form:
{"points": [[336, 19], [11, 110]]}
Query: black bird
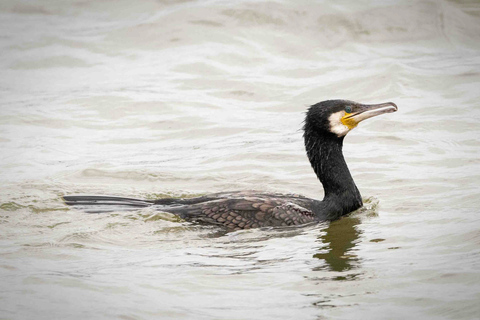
{"points": [[326, 125]]}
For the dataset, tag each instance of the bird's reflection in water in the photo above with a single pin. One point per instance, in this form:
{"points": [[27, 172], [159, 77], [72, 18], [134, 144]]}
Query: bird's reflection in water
{"points": [[339, 240]]}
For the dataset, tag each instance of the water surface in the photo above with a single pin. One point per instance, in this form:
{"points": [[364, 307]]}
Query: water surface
{"points": [[181, 98]]}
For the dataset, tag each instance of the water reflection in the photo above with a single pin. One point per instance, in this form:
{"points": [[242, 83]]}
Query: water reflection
{"points": [[339, 238]]}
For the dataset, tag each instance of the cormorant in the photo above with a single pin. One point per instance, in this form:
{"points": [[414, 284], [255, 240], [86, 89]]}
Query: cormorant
{"points": [[326, 125]]}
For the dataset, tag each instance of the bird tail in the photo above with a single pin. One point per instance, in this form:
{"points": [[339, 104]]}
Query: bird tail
{"points": [[100, 204]]}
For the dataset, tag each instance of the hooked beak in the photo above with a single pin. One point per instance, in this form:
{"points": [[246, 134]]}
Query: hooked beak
{"points": [[365, 111]]}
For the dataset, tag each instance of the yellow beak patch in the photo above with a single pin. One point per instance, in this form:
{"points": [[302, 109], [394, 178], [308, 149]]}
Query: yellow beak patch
{"points": [[349, 121]]}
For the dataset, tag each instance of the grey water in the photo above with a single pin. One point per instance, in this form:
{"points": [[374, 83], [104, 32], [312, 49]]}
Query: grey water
{"points": [[149, 99]]}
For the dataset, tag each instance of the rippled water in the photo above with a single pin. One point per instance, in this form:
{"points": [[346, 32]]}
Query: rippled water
{"points": [[180, 98]]}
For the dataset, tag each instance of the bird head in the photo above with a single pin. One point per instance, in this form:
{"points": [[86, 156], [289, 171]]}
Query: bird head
{"points": [[338, 117]]}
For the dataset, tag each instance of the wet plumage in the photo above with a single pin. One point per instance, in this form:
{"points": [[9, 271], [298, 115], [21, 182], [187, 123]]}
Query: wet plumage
{"points": [[326, 125]]}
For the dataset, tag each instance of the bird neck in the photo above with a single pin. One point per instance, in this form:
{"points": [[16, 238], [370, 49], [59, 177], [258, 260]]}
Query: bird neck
{"points": [[324, 151]]}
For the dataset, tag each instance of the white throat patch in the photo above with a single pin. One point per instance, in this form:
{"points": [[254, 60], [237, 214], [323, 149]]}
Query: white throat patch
{"points": [[336, 125]]}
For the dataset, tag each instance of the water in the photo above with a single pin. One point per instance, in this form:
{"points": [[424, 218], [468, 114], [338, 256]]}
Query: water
{"points": [[180, 98]]}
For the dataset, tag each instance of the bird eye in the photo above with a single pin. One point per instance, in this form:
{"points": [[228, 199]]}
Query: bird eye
{"points": [[348, 109]]}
